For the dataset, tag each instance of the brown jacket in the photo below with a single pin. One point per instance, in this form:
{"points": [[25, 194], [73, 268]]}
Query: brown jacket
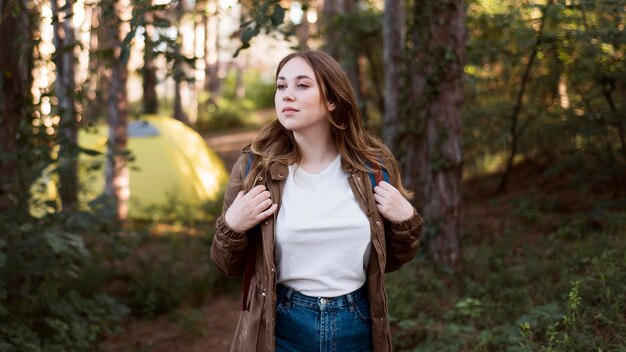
{"points": [[393, 244]]}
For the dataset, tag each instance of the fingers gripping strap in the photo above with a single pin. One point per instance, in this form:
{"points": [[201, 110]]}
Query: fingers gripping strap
{"points": [[378, 175]]}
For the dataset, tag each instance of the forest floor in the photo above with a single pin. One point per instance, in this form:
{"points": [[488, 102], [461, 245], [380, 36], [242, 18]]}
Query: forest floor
{"points": [[214, 324]]}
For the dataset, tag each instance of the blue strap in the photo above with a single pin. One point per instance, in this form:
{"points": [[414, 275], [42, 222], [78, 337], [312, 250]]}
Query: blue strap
{"points": [[373, 178], [248, 165]]}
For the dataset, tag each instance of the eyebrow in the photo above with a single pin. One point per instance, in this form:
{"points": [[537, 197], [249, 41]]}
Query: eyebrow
{"points": [[297, 77]]}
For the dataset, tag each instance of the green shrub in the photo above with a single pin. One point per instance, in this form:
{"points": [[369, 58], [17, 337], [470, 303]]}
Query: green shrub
{"points": [[223, 114], [162, 268], [43, 302], [560, 291]]}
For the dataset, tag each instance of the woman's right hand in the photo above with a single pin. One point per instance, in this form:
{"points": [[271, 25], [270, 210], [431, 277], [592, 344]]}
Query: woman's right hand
{"points": [[248, 209]]}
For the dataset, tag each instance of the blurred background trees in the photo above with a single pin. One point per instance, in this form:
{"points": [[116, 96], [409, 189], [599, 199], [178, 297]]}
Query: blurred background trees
{"points": [[459, 90]]}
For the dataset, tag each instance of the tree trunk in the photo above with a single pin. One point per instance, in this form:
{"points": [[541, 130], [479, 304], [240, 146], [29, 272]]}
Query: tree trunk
{"points": [[328, 14], [212, 49], [179, 112], [15, 100], [117, 174], [179, 69], [434, 157], [352, 65], [303, 29], [67, 137], [150, 100], [393, 61], [347, 57]]}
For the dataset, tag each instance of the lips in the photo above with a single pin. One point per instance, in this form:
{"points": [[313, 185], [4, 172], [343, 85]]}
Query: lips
{"points": [[290, 109]]}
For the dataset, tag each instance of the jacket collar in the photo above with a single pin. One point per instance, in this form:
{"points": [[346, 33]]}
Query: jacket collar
{"points": [[279, 171]]}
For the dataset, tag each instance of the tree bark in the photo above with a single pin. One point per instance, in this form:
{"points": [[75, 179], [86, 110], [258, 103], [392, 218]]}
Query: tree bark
{"points": [[212, 79], [303, 29], [149, 99], [99, 79], [67, 136], [433, 156], [393, 62], [117, 182], [329, 11], [179, 70], [16, 51]]}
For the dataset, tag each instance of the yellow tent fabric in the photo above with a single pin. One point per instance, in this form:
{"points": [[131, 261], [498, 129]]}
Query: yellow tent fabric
{"points": [[173, 167]]}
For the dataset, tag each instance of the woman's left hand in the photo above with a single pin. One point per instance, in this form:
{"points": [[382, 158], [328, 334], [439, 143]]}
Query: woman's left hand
{"points": [[391, 204]]}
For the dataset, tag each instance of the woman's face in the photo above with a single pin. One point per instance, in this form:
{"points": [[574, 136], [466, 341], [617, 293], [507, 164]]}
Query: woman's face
{"points": [[299, 105]]}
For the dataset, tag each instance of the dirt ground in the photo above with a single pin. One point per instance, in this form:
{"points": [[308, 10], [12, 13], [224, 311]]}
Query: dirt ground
{"points": [[203, 329], [209, 330]]}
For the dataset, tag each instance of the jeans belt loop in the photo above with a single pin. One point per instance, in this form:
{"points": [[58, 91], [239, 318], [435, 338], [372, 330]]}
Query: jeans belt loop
{"points": [[351, 302], [288, 298]]}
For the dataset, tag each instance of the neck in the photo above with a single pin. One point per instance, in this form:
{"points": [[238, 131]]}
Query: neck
{"points": [[317, 149]]}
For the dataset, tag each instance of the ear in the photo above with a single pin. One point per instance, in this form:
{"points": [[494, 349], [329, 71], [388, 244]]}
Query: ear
{"points": [[331, 106]]}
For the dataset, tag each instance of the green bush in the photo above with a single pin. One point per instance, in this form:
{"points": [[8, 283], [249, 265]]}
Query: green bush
{"points": [[44, 304], [157, 268], [561, 291], [223, 114]]}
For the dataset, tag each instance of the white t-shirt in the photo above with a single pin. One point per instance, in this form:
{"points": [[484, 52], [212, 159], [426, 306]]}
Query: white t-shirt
{"points": [[323, 238]]}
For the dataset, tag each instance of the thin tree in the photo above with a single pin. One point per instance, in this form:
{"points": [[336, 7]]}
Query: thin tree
{"points": [[348, 56], [393, 62], [304, 27], [67, 137], [148, 71], [117, 174], [517, 109], [16, 50], [211, 50], [179, 69]]}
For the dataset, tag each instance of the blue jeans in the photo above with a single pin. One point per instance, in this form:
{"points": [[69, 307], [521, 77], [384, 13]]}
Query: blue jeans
{"points": [[314, 324]]}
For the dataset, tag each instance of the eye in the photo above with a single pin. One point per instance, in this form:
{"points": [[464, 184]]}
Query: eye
{"points": [[302, 85], [280, 86]]}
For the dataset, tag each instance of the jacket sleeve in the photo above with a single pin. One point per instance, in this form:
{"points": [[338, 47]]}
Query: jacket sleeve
{"points": [[402, 239], [228, 248]]}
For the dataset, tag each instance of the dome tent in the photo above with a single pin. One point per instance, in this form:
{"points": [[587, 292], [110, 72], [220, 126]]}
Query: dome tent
{"points": [[172, 169]]}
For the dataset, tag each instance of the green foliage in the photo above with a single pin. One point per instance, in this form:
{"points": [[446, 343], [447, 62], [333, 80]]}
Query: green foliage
{"points": [[570, 111], [234, 110], [521, 291], [41, 287], [265, 15], [179, 212], [222, 115], [156, 268], [259, 88]]}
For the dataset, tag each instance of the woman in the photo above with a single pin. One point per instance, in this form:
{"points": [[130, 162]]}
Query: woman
{"points": [[304, 225]]}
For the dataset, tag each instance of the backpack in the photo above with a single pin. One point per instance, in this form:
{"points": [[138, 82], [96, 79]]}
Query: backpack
{"points": [[378, 174]]}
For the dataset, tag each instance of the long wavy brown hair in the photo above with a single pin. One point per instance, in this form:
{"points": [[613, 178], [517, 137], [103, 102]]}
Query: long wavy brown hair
{"points": [[357, 146]]}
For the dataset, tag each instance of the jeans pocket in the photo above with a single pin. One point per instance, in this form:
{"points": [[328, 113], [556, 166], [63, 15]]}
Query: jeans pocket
{"points": [[362, 311], [280, 305]]}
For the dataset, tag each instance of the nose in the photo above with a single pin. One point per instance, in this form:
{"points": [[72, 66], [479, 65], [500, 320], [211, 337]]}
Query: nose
{"points": [[287, 96]]}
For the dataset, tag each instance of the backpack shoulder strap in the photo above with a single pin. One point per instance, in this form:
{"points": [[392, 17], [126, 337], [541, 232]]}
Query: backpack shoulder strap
{"points": [[249, 163], [378, 174]]}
